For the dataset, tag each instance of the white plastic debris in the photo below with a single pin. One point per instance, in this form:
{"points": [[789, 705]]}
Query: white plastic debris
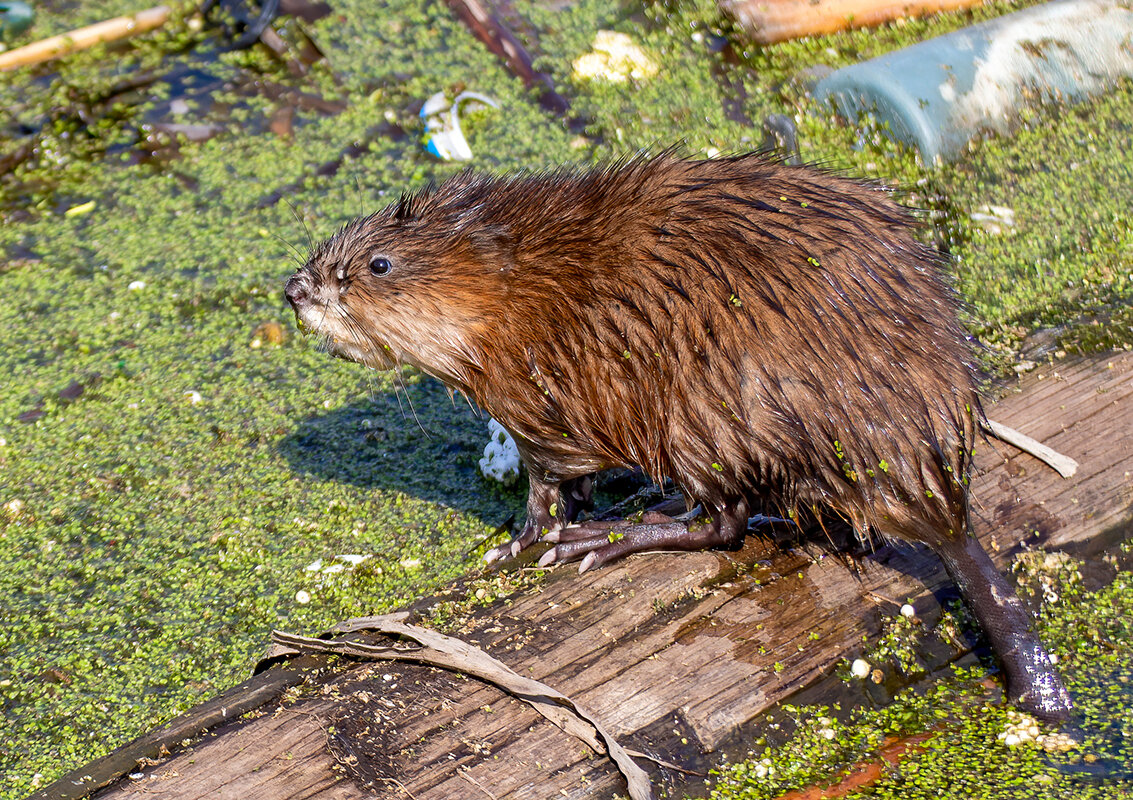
{"points": [[352, 559], [501, 456], [994, 219], [442, 124]]}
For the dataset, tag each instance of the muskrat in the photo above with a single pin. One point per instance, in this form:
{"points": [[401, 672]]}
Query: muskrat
{"points": [[758, 332]]}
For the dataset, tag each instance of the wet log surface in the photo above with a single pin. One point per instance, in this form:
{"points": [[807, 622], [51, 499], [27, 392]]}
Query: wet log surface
{"points": [[679, 655]]}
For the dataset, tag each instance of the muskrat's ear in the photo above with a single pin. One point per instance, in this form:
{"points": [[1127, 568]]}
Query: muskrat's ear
{"points": [[406, 209], [494, 245]]}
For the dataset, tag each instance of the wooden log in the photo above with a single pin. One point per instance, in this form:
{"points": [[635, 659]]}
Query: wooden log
{"points": [[770, 21], [81, 38], [240, 699], [676, 654]]}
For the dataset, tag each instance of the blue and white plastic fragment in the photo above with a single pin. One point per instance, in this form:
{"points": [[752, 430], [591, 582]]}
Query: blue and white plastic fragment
{"points": [[938, 95], [445, 139]]}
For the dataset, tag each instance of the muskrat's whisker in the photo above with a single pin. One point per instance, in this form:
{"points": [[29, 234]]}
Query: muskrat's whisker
{"points": [[409, 400], [303, 222], [371, 384], [323, 318], [358, 190], [295, 251], [399, 388]]}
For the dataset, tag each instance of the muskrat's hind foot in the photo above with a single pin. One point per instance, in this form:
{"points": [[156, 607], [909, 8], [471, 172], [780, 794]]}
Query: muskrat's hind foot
{"points": [[601, 542]]}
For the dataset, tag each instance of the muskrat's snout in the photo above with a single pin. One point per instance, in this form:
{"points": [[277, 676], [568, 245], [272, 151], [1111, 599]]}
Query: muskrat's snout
{"points": [[297, 290]]}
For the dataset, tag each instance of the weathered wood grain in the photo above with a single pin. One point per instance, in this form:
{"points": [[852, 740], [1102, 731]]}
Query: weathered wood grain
{"points": [[674, 653]]}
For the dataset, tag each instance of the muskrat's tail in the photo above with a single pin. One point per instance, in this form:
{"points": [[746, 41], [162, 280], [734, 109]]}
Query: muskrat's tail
{"points": [[1032, 683]]}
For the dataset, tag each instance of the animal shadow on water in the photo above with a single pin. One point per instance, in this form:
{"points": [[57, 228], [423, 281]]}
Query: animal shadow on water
{"points": [[414, 440], [423, 442]]}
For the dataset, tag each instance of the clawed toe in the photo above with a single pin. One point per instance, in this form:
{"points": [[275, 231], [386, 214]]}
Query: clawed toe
{"points": [[570, 550], [496, 553], [585, 531], [599, 542], [511, 549], [548, 558]]}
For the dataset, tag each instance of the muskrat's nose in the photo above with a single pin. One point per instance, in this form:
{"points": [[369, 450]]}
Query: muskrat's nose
{"points": [[296, 291]]}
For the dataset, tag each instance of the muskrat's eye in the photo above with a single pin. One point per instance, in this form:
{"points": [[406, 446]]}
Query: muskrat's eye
{"points": [[380, 265]]}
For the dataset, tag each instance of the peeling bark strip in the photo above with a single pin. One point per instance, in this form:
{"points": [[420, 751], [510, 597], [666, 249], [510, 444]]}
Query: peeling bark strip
{"points": [[438, 650]]}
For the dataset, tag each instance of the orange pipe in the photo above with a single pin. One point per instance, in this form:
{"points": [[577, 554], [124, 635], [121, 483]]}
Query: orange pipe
{"points": [[770, 21]]}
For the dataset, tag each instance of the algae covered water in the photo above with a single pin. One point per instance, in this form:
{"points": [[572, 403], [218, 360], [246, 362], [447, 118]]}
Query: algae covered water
{"points": [[181, 471]]}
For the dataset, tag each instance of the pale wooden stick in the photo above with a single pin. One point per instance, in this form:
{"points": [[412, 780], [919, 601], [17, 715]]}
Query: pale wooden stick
{"points": [[82, 38], [1063, 465]]}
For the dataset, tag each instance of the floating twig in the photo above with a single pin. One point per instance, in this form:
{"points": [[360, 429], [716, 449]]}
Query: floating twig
{"points": [[489, 30], [82, 38]]}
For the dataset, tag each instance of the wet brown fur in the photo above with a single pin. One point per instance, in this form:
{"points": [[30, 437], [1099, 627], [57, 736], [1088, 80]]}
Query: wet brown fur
{"points": [[745, 327]]}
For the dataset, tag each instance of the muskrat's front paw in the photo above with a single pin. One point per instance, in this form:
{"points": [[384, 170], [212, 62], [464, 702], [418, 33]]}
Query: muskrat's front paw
{"points": [[513, 548]]}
